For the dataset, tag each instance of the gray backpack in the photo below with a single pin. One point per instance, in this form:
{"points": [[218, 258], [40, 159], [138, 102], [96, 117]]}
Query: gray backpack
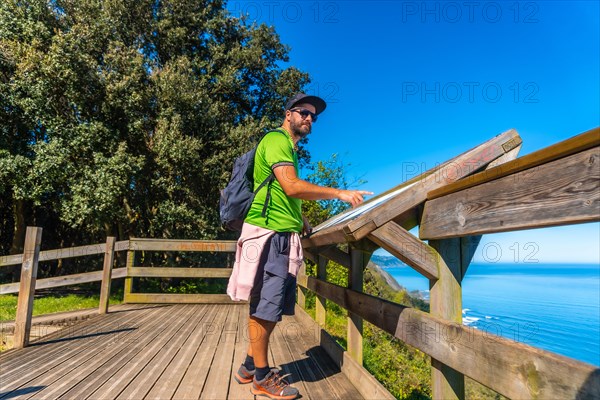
{"points": [[238, 195]]}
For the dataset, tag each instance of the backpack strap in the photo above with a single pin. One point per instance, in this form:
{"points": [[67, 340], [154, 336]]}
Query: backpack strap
{"points": [[267, 181], [267, 200]]}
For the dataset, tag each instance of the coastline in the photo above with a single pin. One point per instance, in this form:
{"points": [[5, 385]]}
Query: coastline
{"points": [[554, 307]]}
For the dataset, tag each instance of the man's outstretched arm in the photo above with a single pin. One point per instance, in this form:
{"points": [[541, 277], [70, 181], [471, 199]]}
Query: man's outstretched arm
{"points": [[301, 189]]}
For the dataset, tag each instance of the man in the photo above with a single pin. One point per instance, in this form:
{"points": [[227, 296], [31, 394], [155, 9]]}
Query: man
{"points": [[269, 253]]}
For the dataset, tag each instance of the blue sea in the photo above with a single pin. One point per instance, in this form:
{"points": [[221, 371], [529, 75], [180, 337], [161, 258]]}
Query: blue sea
{"points": [[555, 307]]}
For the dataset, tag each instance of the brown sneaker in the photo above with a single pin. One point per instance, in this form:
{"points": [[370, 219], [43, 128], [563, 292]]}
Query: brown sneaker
{"points": [[274, 387], [244, 375]]}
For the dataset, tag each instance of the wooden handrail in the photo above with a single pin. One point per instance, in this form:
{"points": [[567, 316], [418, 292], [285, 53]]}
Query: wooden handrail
{"points": [[96, 276], [13, 259], [33, 255], [573, 145], [562, 192], [331, 253], [168, 272], [68, 252], [138, 244], [65, 280], [182, 245]]}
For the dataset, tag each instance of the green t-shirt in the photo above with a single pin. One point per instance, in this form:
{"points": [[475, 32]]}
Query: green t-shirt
{"points": [[284, 214]]}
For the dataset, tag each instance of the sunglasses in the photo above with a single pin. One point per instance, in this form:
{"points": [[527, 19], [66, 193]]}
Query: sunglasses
{"points": [[305, 113]]}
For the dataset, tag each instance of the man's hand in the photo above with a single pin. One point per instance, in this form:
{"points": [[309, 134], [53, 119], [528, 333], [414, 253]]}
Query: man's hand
{"points": [[354, 197]]}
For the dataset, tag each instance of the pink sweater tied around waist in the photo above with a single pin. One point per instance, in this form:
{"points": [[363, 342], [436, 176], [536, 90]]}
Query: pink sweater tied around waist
{"points": [[247, 257]]}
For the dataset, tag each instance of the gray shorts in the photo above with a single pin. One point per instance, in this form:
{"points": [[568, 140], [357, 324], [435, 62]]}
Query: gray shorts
{"points": [[274, 290]]}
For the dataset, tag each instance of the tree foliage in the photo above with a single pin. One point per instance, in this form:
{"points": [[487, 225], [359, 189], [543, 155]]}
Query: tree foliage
{"points": [[123, 117], [331, 173]]}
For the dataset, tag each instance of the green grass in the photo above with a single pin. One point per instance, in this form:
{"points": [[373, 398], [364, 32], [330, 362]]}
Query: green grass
{"points": [[52, 304]]}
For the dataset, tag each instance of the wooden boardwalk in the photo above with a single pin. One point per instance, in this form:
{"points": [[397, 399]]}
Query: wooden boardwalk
{"points": [[183, 351]]}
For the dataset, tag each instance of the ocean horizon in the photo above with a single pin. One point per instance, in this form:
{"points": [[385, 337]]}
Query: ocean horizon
{"points": [[555, 307]]}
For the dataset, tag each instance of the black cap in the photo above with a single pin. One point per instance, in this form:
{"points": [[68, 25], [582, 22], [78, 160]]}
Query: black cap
{"points": [[317, 102]]}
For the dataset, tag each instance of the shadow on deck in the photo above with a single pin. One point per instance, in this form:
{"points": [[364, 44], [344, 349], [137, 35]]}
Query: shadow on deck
{"points": [[184, 351]]}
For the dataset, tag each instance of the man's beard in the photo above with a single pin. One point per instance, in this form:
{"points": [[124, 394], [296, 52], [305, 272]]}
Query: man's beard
{"points": [[300, 130]]}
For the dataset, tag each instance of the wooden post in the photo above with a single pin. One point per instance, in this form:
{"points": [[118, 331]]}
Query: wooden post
{"points": [[302, 291], [320, 300], [446, 302], [446, 295], [358, 260], [31, 255], [109, 257], [128, 277]]}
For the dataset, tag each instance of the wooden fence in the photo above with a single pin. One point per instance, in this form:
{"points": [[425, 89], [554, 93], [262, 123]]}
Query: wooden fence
{"points": [[32, 256], [174, 272]]}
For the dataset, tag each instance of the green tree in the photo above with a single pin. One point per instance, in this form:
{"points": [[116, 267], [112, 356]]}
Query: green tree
{"points": [[331, 173], [123, 117]]}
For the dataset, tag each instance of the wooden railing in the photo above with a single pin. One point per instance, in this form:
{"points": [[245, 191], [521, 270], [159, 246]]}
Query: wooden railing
{"points": [[559, 185], [29, 283], [173, 272], [32, 256], [108, 248]]}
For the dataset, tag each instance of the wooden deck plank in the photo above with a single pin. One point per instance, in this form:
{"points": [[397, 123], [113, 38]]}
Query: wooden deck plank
{"points": [[65, 365], [97, 362], [214, 388], [123, 354], [64, 372], [180, 351], [22, 354], [286, 363], [125, 373], [238, 391], [315, 381], [341, 385], [58, 337], [167, 384], [195, 376], [141, 385], [49, 353], [353, 375]]}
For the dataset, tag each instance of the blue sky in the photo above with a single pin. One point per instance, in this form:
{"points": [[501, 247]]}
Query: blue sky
{"points": [[411, 84]]}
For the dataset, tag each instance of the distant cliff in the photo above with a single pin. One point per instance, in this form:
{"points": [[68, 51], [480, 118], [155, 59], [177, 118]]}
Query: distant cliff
{"points": [[385, 275], [378, 282]]}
